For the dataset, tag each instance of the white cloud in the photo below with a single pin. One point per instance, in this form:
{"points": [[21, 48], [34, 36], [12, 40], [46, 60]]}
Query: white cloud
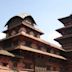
{"points": [[2, 35]]}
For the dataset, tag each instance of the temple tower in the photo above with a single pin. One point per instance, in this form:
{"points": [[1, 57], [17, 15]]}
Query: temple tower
{"points": [[31, 53], [21, 40], [66, 40], [66, 31]]}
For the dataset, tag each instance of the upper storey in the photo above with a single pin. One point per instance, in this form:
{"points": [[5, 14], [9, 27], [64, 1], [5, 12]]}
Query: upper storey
{"points": [[19, 19], [67, 21], [66, 39], [22, 22]]}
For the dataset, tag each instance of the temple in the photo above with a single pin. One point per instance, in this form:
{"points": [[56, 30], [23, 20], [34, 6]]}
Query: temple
{"points": [[24, 51], [66, 40]]}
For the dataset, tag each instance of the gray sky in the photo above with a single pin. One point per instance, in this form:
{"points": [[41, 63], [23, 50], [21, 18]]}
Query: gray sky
{"points": [[44, 12]]}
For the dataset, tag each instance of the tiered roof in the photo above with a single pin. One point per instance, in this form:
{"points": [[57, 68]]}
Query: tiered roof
{"points": [[23, 34], [66, 39]]}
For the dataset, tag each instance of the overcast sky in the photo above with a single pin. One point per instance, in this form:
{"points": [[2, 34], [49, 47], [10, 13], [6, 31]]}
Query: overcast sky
{"points": [[44, 12]]}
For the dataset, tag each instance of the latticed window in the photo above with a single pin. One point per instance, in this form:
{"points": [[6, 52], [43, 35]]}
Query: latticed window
{"points": [[51, 51], [33, 45], [57, 52], [48, 67], [15, 43], [7, 44], [32, 33], [28, 43], [22, 42], [43, 49], [40, 69], [28, 65], [54, 68]]}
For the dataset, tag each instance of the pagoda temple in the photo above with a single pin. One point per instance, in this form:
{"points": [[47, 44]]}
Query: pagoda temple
{"points": [[66, 40], [23, 50]]}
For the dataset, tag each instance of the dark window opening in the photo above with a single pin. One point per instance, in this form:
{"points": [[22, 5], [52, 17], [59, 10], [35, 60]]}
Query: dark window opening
{"points": [[4, 64], [28, 65], [15, 42], [49, 67], [54, 68], [28, 43]]}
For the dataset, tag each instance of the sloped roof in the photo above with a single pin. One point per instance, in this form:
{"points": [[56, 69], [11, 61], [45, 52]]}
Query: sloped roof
{"points": [[33, 28], [22, 16], [40, 52], [37, 39], [65, 19], [6, 53]]}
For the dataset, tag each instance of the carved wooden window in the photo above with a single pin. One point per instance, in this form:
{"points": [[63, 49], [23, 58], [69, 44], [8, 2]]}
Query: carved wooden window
{"points": [[38, 36], [22, 42], [7, 44], [34, 45], [13, 33], [31, 33], [28, 43], [15, 43], [40, 69], [51, 51], [48, 67], [55, 68], [21, 65], [43, 49], [57, 52], [22, 29], [28, 65]]}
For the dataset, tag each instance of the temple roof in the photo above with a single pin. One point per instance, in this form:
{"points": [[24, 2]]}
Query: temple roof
{"points": [[40, 52], [22, 16], [33, 28], [64, 37], [66, 20], [64, 29], [68, 27], [37, 39], [6, 53]]}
